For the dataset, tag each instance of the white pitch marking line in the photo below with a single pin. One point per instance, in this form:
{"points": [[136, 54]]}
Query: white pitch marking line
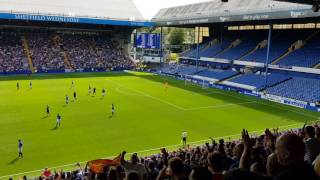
{"points": [[118, 89], [176, 106], [148, 95], [148, 150]]}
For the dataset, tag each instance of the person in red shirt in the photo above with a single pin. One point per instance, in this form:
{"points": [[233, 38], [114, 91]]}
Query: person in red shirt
{"points": [[46, 173]]}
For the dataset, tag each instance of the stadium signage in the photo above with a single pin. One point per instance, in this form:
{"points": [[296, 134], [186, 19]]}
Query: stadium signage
{"points": [[224, 19], [46, 18], [70, 19], [256, 17], [194, 21], [251, 93], [238, 17], [297, 14]]}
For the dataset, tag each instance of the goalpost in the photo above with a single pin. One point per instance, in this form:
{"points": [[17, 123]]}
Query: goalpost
{"points": [[188, 79]]}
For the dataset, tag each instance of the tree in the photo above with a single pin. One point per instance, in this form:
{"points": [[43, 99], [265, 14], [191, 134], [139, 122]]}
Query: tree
{"points": [[176, 37]]}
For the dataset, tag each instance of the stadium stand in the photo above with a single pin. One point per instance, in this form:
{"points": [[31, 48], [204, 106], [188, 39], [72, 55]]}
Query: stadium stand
{"points": [[45, 54], [279, 45], [248, 41], [12, 55], [241, 45], [181, 69], [87, 52], [307, 56], [304, 89], [57, 52], [257, 81], [217, 74]]}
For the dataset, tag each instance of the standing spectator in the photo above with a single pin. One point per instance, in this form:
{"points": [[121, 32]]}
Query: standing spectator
{"points": [[133, 165], [46, 173], [290, 151], [216, 164], [200, 173], [152, 173], [175, 170], [312, 144]]}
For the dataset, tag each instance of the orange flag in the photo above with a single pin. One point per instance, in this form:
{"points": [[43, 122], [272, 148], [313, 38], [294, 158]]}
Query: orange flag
{"points": [[97, 166]]}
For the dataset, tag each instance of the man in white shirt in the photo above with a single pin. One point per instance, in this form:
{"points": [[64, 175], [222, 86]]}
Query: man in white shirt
{"points": [[184, 138]]}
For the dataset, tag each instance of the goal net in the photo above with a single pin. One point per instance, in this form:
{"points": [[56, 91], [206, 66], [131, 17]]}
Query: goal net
{"points": [[189, 80]]}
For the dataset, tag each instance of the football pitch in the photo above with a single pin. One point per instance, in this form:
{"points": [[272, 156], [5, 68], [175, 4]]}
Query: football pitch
{"points": [[147, 116]]}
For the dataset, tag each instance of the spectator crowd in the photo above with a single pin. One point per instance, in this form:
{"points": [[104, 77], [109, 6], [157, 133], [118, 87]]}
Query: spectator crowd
{"points": [[53, 51], [286, 155], [12, 55]]}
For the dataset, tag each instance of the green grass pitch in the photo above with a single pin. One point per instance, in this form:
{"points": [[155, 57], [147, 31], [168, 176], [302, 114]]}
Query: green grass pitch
{"points": [[147, 117]]}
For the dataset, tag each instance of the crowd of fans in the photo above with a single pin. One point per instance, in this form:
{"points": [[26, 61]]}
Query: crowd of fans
{"points": [[59, 51], [12, 55], [94, 52], [287, 155], [45, 53]]}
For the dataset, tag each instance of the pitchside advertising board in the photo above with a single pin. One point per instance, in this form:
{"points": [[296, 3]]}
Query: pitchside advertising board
{"points": [[148, 40]]}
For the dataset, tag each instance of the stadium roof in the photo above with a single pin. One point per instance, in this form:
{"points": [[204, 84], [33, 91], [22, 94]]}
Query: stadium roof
{"points": [[113, 12], [215, 11]]}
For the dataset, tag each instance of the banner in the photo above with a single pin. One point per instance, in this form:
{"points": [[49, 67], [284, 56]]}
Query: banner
{"points": [[99, 165]]}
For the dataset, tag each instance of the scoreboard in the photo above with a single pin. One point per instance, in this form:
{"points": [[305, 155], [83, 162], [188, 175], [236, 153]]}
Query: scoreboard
{"points": [[148, 41]]}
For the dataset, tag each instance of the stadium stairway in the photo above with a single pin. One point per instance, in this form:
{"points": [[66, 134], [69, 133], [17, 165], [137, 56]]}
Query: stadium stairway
{"points": [[295, 46], [261, 44], [311, 36], [263, 89], [232, 77], [27, 52], [66, 58], [209, 44], [232, 45], [317, 66]]}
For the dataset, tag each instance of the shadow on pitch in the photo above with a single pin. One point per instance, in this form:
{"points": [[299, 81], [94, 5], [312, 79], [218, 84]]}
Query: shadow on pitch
{"points": [[45, 76], [54, 128], [231, 97], [14, 160]]}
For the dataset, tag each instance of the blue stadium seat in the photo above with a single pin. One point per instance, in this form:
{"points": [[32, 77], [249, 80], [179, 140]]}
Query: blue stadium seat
{"points": [[258, 81], [217, 74], [307, 56], [303, 89]]}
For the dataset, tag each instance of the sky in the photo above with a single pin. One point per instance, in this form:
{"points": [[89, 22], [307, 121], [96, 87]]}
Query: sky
{"points": [[149, 8]]}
